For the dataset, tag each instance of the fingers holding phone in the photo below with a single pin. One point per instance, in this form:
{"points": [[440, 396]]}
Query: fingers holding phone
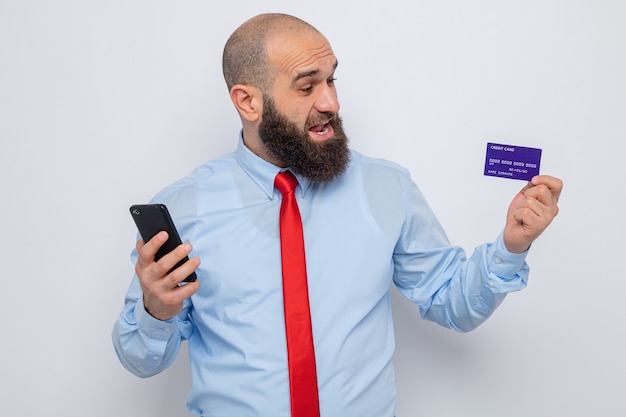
{"points": [[163, 262], [160, 280]]}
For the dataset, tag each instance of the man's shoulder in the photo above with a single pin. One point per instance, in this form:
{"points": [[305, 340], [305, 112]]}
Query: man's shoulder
{"points": [[364, 162], [204, 175]]}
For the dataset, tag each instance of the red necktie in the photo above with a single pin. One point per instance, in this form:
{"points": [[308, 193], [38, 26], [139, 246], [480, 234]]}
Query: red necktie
{"points": [[301, 355]]}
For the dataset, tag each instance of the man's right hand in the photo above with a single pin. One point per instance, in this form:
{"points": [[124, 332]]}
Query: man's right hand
{"points": [[162, 296]]}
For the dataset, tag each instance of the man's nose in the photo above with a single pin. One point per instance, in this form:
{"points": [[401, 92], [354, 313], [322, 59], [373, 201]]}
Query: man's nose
{"points": [[327, 102]]}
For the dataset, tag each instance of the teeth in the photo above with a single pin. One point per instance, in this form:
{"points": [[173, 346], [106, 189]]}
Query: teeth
{"points": [[324, 130]]}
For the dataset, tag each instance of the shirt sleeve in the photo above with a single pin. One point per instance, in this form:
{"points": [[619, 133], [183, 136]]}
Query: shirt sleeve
{"points": [[145, 345], [449, 288]]}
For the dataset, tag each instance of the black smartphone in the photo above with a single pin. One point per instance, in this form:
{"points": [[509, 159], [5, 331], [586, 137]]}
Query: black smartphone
{"points": [[150, 220]]}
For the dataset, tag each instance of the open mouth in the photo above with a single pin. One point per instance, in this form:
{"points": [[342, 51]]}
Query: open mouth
{"points": [[321, 131]]}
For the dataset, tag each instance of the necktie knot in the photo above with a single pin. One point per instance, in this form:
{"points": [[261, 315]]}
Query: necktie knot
{"points": [[285, 182]]}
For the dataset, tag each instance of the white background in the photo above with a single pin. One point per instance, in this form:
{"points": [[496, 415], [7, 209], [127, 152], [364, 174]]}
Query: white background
{"points": [[102, 103]]}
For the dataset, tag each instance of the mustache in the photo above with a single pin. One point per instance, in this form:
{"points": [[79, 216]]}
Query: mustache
{"points": [[322, 118]]}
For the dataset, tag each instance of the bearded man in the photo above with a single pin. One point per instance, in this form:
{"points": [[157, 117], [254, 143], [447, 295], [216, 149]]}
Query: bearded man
{"points": [[365, 226]]}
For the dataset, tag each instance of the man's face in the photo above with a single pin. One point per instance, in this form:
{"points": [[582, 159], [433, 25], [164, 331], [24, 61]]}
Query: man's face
{"points": [[300, 125]]}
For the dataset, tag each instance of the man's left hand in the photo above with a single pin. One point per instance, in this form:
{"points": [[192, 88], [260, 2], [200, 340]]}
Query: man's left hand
{"points": [[531, 211]]}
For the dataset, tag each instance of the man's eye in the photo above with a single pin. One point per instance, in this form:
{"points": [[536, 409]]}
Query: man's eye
{"points": [[307, 88], [331, 81]]}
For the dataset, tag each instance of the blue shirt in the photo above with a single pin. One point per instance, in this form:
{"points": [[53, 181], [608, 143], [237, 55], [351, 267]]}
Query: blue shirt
{"points": [[364, 231]]}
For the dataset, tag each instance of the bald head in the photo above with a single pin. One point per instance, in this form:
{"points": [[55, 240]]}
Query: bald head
{"points": [[246, 60]]}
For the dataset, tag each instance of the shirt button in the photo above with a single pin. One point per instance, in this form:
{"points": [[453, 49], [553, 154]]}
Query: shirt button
{"points": [[491, 283], [155, 358], [497, 260], [167, 329]]}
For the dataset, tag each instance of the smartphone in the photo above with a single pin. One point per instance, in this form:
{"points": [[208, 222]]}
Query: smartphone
{"points": [[150, 220]]}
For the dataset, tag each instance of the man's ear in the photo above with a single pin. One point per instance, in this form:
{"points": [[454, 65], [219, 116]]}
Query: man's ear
{"points": [[248, 100]]}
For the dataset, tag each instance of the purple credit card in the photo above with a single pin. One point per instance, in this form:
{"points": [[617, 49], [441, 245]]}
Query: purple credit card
{"points": [[514, 162]]}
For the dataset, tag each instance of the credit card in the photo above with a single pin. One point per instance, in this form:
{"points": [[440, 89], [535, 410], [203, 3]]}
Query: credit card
{"points": [[513, 162]]}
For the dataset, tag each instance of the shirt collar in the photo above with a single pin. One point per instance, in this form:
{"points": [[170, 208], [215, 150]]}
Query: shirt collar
{"points": [[263, 172]]}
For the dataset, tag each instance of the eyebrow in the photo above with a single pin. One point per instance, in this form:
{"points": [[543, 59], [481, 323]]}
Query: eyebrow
{"points": [[310, 73]]}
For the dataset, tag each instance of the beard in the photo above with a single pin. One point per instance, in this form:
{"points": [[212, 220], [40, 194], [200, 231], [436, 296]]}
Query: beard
{"points": [[285, 141]]}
